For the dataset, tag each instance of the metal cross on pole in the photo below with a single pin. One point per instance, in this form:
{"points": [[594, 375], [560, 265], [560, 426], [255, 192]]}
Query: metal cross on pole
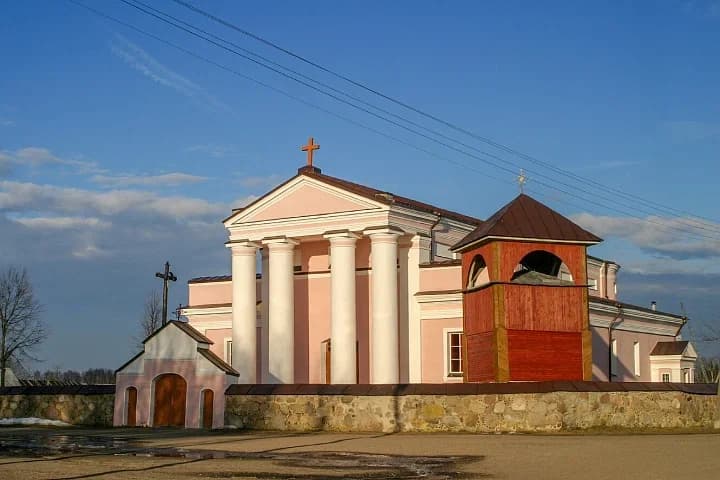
{"points": [[166, 276]]}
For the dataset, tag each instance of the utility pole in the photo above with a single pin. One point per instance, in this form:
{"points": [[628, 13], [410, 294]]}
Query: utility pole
{"points": [[166, 276]]}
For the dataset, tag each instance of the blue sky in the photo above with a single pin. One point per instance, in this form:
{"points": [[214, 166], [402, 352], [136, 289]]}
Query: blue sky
{"points": [[118, 152]]}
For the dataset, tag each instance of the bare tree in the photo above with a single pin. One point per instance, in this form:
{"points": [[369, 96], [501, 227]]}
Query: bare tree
{"points": [[152, 315], [707, 370], [21, 329]]}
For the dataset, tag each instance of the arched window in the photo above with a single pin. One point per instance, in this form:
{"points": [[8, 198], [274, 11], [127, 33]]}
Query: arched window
{"points": [[478, 275], [542, 268]]}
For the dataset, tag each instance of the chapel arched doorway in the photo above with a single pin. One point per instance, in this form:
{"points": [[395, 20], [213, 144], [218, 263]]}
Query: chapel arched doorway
{"points": [[207, 397], [131, 406], [170, 401]]}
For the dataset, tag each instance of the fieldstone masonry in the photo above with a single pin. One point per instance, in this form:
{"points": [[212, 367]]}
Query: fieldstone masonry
{"points": [[78, 405], [482, 413]]}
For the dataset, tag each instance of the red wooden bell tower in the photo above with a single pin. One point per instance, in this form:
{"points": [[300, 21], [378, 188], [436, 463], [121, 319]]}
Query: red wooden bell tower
{"points": [[525, 298]]}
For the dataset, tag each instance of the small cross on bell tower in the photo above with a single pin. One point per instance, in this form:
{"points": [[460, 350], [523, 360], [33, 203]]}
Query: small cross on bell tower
{"points": [[522, 180], [310, 149]]}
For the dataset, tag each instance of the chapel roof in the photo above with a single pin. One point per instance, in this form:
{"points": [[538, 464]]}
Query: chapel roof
{"points": [[185, 327], [218, 362], [670, 348], [525, 217]]}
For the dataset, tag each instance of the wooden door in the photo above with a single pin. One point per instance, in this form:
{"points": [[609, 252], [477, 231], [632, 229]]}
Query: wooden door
{"points": [[207, 408], [326, 353], [131, 407], [170, 393]]}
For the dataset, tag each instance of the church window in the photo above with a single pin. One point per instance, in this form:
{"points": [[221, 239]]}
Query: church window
{"points": [[614, 358], [228, 350], [454, 354], [666, 377], [592, 283], [636, 357], [478, 273]]}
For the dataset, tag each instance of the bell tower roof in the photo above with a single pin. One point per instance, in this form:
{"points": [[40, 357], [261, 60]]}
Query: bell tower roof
{"points": [[525, 218]]}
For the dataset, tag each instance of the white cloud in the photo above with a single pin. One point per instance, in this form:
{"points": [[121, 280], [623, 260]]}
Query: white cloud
{"points": [[39, 156], [258, 182], [31, 197], [143, 62], [62, 223], [658, 235], [216, 151], [165, 180]]}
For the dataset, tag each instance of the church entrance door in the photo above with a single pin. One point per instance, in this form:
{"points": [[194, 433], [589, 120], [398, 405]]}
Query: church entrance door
{"points": [[325, 359], [170, 397]]}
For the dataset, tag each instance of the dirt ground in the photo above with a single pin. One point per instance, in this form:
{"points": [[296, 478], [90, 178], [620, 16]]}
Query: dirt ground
{"points": [[41, 453]]}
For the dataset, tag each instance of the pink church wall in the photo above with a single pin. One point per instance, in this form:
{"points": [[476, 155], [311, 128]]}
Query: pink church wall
{"points": [[305, 201], [440, 279], [145, 392], [433, 349], [625, 355], [218, 336], [212, 293]]}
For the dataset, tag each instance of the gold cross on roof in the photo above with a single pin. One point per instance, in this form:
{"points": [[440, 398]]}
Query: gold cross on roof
{"points": [[310, 148]]}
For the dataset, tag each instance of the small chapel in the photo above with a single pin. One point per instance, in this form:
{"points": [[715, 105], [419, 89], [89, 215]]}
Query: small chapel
{"points": [[336, 282]]}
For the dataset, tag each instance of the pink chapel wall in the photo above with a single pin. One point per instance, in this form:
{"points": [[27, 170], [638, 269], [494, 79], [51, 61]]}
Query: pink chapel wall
{"points": [[196, 383], [626, 354]]}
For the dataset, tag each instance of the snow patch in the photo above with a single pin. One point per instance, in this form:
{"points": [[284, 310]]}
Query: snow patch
{"points": [[32, 421]]}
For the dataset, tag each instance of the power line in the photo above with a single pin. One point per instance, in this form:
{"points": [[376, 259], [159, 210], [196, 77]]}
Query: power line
{"points": [[655, 205], [427, 137], [147, 9], [263, 84]]}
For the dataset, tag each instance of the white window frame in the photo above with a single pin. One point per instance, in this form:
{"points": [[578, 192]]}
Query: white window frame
{"points": [[593, 284], [227, 350], [614, 358], [446, 353], [662, 377], [636, 358]]}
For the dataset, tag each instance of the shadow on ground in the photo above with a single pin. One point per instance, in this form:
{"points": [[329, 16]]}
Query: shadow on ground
{"points": [[29, 445]]}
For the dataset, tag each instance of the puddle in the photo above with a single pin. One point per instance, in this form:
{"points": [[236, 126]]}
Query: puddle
{"points": [[284, 465]]}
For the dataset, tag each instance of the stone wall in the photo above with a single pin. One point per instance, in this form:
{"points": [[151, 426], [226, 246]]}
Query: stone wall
{"points": [[77, 405], [389, 409]]}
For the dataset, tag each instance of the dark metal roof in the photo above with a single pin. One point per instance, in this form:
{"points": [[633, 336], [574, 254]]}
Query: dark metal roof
{"points": [[217, 278], [442, 263], [194, 334], [525, 217], [218, 362], [617, 303], [669, 348]]}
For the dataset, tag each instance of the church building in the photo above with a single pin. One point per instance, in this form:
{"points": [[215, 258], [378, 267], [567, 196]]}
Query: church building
{"points": [[336, 282]]}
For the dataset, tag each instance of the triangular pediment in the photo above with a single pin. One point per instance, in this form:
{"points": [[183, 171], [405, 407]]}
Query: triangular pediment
{"points": [[302, 197]]}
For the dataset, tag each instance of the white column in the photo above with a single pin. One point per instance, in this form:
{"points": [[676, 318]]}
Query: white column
{"points": [[265, 300], [244, 322], [384, 291], [281, 311], [343, 326], [418, 253]]}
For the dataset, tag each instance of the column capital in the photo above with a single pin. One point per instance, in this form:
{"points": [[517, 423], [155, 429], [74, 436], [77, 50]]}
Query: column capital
{"points": [[242, 247], [383, 232], [341, 237], [280, 243]]}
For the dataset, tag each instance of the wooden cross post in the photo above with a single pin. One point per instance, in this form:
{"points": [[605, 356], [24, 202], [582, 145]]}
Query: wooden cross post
{"points": [[166, 276], [310, 148]]}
